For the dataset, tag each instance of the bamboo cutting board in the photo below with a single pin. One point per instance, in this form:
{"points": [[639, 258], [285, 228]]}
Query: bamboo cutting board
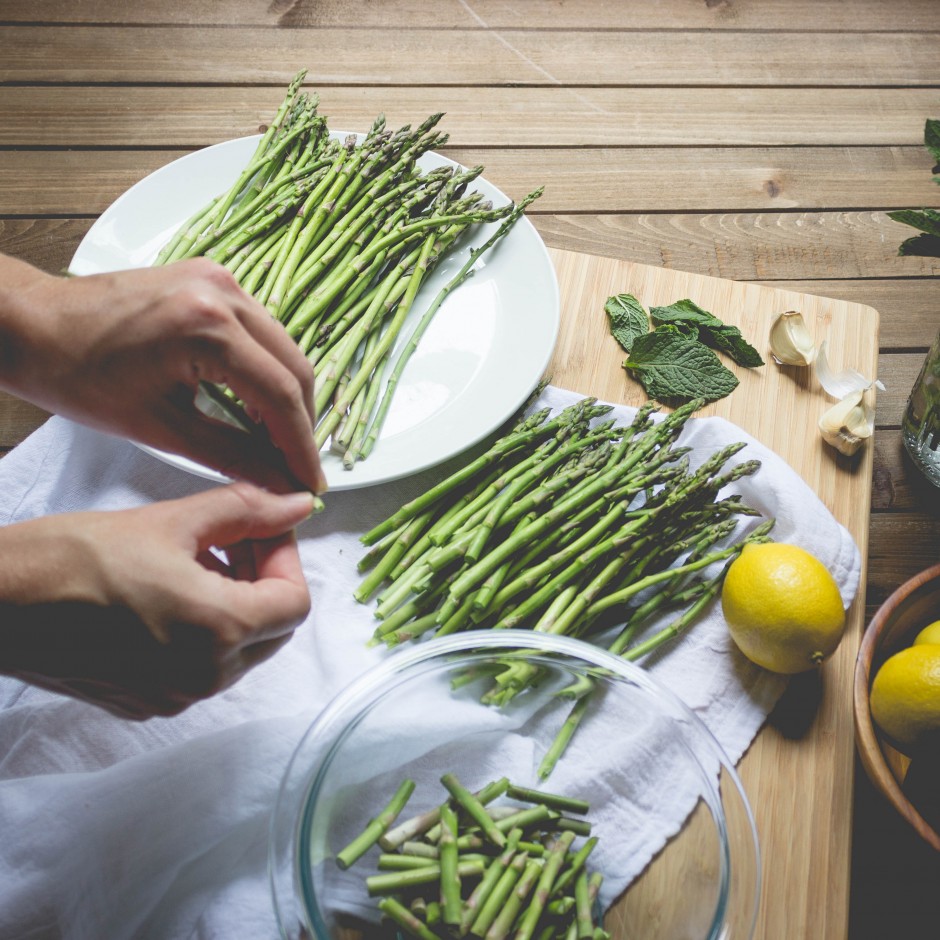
{"points": [[798, 773]]}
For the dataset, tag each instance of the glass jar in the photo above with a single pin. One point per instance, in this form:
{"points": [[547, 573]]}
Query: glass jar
{"points": [[920, 427]]}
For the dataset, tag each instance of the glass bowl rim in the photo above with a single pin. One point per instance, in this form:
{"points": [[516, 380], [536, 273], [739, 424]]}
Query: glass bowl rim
{"points": [[346, 707]]}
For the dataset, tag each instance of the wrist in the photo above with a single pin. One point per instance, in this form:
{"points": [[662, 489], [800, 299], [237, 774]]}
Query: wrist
{"points": [[48, 560], [26, 298]]}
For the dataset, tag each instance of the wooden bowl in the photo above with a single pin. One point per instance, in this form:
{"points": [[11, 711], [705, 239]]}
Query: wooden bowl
{"points": [[910, 608]]}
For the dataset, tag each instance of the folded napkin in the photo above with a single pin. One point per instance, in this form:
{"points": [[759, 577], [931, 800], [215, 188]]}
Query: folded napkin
{"points": [[159, 829]]}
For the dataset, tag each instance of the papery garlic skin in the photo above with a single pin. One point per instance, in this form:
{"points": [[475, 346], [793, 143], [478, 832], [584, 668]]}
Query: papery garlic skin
{"points": [[848, 423], [841, 384], [790, 341]]}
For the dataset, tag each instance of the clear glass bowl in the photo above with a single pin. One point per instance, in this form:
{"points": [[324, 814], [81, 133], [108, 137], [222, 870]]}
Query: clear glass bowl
{"points": [[676, 839]]}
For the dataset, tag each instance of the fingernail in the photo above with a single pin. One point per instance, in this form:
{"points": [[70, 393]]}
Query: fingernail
{"points": [[302, 500], [322, 485]]}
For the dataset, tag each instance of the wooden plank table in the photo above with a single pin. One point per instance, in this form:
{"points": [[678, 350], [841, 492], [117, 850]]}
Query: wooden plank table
{"points": [[755, 140]]}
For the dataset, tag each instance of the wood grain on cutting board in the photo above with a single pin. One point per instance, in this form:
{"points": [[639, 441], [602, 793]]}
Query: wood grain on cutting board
{"points": [[798, 773]]}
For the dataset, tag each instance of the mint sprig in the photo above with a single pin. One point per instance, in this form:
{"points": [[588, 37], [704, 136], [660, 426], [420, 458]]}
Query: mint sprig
{"points": [[927, 220], [925, 246], [932, 140], [674, 360]]}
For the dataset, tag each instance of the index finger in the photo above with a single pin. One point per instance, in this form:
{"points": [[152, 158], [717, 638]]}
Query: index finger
{"points": [[270, 392], [268, 332], [267, 370]]}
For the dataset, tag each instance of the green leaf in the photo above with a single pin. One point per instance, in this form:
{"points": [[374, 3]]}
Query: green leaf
{"points": [[672, 366], [682, 328], [728, 339], [628, 319], [927, 246], [711, 331], [927, 220], [932, 138], [683, 310]]}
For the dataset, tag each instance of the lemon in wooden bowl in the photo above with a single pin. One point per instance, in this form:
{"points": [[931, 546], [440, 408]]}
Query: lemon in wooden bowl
{"points": [[905, 695], [930, 634], [907, 773]]}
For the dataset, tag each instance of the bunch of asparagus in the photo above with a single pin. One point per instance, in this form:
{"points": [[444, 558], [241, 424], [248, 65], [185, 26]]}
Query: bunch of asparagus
{"points": [[336, 238], [559, 522], [469, 868], [563, 525]]}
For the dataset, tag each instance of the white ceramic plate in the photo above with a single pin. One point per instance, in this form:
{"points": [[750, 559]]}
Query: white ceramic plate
{"points": [[485, 351]]}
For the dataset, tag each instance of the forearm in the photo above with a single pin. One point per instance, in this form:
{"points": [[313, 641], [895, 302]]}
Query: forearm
{"points": [[47, 560], [45, 590], [24, 297], [64, 621], [18, 276], [130, 610]]}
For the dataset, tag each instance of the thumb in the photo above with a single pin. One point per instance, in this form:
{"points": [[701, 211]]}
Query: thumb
{"points": [[239, 511]]}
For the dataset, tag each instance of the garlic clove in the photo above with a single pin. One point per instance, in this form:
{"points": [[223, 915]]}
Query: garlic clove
{"points": [[790, 341], [840, 384], [848, 423]]}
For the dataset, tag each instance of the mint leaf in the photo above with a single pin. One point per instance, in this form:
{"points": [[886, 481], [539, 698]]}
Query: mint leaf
{"points": [[932, 138], [683, 329], [711, 331], [628, 319], [927, 220], [728, 339], [926, 246], [684, 311], [671, 366]]}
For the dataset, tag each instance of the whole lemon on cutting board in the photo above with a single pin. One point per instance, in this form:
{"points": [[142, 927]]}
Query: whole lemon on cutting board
{"points": [[905, 695], [783, 607]]}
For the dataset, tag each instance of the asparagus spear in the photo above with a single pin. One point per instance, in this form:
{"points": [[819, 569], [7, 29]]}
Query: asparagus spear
{"points": [[336, 238], [456, 881], [377, 826]]}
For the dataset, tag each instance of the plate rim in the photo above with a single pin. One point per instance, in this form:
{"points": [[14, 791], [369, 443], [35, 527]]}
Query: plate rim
{"points": [[346, 479]]}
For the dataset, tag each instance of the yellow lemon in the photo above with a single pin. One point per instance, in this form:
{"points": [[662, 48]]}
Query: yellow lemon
{"points": [[930, 634], [783, 607], [905, 696]]}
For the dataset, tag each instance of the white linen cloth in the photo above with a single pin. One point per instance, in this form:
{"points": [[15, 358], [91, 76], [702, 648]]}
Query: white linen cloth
{"points": [[159, 829]]}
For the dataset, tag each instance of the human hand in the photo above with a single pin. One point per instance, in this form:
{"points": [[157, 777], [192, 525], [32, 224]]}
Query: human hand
{"points": [[131, 610], [125, 352]]}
